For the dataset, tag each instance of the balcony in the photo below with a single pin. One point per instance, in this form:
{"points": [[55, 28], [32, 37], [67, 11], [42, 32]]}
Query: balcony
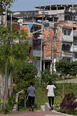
{"points": [[37, 53], [47, 58], [75, 33], [67, 38], [67, 54], [51, 12], [28, 39], [75, 48], [74, 59]]}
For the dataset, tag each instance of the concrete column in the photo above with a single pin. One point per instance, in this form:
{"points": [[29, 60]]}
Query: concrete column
{"points": [[43, 65], [50, 11], [56, 7], [51, 67]]}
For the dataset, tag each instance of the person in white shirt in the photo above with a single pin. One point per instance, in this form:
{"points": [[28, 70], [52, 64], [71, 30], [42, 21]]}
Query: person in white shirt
{"points": [[50, 93]]}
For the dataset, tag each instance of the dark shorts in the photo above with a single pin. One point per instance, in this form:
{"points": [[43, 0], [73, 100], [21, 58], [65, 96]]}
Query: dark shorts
{"points": [[31, 100]]}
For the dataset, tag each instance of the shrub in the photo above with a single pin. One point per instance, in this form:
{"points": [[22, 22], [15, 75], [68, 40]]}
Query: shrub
{"points": [[68, 104], [47, 76]]}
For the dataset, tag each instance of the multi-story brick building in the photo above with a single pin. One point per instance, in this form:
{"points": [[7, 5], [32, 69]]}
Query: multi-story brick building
{"points": [[53, 29]]}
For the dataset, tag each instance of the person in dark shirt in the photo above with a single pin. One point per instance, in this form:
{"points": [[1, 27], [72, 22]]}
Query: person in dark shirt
{"points": [[31, 96]]}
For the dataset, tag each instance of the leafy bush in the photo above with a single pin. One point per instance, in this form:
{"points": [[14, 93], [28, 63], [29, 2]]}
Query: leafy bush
{"points": [[9, 104], [1, 104], [24, 76], [47, 76], [68, 104]]}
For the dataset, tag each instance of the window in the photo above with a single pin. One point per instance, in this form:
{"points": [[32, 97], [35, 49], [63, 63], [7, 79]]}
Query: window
{"points": [[69, 32], [60, 8], [65, 32], [75, 41], [47, 65], [53, 8], [75, 55], [65, 47]]}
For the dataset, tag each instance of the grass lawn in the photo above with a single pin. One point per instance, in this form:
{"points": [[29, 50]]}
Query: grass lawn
{"points": [[40, 99]]}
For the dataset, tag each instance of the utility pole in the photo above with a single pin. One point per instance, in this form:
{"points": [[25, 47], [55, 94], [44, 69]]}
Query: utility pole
{"points": [[54, 57], [6, 69], [42, 42], [41, 47]]}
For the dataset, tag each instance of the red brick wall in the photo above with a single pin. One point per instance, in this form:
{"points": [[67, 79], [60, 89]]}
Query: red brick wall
{"points": [[48, 36]]}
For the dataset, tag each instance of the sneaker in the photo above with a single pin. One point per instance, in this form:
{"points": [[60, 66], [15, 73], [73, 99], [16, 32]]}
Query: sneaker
{"points": [[29, 109], [32, 109], [51, 107]]}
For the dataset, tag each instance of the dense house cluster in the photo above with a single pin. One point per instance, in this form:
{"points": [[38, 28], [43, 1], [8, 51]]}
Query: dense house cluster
{"points": [[52, 31]]}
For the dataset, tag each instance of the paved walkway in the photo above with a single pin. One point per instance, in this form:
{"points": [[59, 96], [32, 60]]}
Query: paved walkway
{"points": [[68, 81], [36, 113]]}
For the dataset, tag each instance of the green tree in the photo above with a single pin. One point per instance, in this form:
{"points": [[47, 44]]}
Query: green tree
{"points": [[73, 68], [7, 2], [65, 68], [23, 75], [62, 67], [11, 52], [47, 76]]}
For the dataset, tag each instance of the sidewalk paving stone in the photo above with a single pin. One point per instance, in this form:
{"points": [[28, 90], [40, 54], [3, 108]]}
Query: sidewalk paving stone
{"points": [[36, 113]]}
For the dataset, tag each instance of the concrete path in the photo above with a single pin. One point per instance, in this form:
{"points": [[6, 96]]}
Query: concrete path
{"points": [[68, 81], [36, 113]]}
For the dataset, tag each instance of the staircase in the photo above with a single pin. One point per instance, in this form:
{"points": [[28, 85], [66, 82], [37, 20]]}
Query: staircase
{"points": [[45, 107]]}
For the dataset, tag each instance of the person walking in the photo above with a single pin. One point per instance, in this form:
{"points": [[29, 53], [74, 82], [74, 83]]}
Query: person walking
{"points": [[31, 96], [50, 93]]}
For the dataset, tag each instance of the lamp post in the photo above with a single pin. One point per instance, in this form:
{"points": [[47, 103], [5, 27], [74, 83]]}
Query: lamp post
{"points": [[6, 74], [41, 47], [41, 44]]}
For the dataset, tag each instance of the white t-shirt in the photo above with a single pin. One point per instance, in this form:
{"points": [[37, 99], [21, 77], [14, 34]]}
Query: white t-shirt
{"points": [[50, 89]]}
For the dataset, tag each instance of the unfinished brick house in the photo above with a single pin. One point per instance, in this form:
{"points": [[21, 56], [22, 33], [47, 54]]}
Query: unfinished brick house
{"points": [[53, 30]]}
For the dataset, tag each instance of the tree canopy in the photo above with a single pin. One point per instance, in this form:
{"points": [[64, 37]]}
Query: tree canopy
{"points": [[7, 2], [16, 56], [23, 75], [10, 51], [64, 67], [47, 76]]}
